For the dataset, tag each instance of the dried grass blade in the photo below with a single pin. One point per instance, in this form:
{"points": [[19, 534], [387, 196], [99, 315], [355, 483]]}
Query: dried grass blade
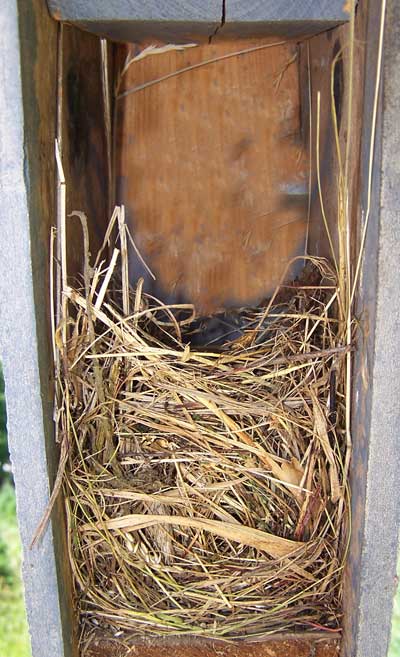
{"points": [[275, 546]]}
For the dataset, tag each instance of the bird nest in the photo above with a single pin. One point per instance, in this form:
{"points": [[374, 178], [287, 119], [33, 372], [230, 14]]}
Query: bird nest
{"points": [[205, 486]]}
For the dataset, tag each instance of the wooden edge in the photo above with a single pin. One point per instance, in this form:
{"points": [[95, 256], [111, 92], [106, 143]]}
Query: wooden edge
{"points": [[290, 645]]}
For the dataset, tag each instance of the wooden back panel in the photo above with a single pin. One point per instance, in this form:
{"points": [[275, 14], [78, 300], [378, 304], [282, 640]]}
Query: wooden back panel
{"points": [[213, 172]]}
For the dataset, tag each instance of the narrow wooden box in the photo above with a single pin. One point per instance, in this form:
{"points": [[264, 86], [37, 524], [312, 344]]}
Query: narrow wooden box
{"points": [[213, 164]]}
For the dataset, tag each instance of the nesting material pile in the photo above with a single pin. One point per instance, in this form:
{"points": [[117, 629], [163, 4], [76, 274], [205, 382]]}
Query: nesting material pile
{"points": [[205, 488]]}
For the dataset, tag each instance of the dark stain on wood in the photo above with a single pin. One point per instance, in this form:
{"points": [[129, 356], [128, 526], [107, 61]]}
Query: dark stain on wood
{"points": [[338, 83]]}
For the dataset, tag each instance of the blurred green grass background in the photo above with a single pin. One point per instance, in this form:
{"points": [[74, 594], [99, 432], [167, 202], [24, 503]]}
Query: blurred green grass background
{"points": [[394, 650], [14, 637]]}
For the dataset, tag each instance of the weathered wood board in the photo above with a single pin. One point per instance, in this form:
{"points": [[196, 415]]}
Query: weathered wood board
{"points": [[278, 646], [131, 20], [213, 171], [83, 141]]}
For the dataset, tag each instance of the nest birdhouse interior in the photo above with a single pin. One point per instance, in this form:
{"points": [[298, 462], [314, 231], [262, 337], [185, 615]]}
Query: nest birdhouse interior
{"points": [[224, 156]]}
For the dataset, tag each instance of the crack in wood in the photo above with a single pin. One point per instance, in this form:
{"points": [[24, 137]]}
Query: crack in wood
{"points": [[221, 24]]}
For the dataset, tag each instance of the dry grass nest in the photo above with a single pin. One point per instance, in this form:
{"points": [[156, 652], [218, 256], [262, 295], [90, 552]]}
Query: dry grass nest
{"points": [[205, 487]]}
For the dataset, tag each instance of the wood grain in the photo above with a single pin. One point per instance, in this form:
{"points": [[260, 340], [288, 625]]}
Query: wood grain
{"points": [[290, 10], [290, 18], [130, 20], [83, 142], [316, 60], [316, 57], [212, 170], [287, 646], [29, 68]]}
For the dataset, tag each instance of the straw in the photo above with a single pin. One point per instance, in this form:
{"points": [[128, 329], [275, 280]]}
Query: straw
{"points": [[206, 487], [202, 484]]}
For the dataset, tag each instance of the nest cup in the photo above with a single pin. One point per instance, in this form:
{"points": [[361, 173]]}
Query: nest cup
{"points": [[205, 488]]}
